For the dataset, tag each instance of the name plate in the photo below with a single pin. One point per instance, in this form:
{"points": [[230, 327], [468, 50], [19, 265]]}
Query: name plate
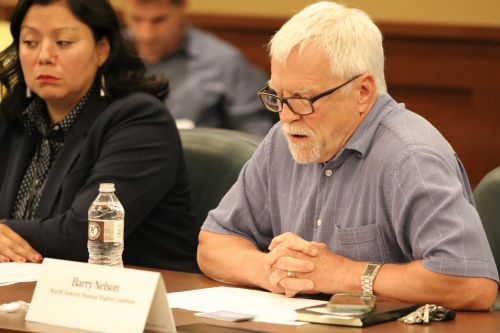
{"points": [[100, 298]]}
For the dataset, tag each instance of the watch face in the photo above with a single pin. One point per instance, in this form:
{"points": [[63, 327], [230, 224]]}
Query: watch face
{"points": [[370, 269]]}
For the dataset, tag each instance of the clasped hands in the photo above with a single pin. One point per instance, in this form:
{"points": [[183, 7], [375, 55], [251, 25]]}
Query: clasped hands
{"points": [[295, 265], [14, 248]]}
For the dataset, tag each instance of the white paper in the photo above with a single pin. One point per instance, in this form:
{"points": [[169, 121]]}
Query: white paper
{"points": [[265, 306], [13, 272]]}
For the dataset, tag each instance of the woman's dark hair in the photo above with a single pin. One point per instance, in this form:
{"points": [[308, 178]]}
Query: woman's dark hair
{"points": [[123, 71]]}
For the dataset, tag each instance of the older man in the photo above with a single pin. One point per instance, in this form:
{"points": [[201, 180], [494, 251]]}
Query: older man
{"points": [[211, 84], [347, 181]]}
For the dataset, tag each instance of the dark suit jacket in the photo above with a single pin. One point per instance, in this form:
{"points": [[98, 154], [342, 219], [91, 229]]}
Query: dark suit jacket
{"points": [[132, 142]]}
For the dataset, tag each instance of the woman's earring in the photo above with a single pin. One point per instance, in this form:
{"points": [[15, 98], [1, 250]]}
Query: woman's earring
{"points": [[102, 90], [28, 92]]}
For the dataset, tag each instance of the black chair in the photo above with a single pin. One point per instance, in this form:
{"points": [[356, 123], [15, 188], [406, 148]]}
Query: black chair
{"points": [[487, 198], [214, 158]]}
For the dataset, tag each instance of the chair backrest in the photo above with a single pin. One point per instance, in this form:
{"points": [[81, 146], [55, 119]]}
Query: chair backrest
{"points": [[214, 158], [487, 198]]}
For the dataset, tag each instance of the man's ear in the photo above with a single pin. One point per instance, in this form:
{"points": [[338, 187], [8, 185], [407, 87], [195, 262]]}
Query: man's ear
{"points": [[367, 89], [103, 50]]}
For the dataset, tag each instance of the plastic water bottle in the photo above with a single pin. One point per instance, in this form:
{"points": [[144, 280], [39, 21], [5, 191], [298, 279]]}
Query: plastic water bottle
{"points": [[105, 230]]}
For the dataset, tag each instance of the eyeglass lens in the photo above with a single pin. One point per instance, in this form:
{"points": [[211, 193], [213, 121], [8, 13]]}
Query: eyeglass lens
{"points": [[298, 105]]}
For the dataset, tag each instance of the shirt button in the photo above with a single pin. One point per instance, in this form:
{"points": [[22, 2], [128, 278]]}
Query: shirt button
{"points": [[328, 173], [318, 222]]}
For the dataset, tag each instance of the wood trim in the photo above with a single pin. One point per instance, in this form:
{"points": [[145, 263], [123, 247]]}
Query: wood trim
{"points": [[6, 12], [248, 23], [408, 30], [441, 32]]}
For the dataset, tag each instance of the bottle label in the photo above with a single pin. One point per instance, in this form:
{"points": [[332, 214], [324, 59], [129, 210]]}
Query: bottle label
{"points": [[106, 230]]}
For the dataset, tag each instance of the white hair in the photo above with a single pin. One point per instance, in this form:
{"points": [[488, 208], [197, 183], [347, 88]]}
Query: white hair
{"points": [[348, 36]]}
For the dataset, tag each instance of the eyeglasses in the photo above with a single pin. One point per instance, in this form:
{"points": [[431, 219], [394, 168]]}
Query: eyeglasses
{"points": [[298, 105]]}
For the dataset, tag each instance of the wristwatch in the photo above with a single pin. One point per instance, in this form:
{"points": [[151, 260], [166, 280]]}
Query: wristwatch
{"points": [[368, 277]]}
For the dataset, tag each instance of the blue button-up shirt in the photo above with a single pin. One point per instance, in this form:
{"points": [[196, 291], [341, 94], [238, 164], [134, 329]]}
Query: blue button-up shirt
{"points": [[396, 192]]}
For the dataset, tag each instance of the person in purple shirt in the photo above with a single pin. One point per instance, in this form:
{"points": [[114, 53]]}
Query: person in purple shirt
{"points": [[349, 192]]}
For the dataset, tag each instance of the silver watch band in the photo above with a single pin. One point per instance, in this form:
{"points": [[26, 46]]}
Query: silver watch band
{"points": [[368, 277]]}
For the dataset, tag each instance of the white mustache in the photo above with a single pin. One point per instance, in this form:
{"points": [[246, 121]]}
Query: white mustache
{"points": [[295, 129]]}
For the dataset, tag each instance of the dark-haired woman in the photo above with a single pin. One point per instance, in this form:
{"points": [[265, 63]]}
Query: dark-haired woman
{"points": [[79, 111]]}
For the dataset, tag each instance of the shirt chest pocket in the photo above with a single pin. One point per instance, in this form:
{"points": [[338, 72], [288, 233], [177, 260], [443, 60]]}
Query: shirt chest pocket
{"points": [[363, 243]]}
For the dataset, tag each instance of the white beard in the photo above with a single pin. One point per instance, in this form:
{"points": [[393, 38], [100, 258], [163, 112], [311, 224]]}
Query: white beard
{"points": [[306, 152]]}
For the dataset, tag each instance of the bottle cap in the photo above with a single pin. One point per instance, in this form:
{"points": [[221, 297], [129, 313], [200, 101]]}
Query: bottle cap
{"points": [[107, 187]]}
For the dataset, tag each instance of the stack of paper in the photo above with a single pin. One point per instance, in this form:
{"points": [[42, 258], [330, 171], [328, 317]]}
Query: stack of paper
{"points": [[265, 306]]}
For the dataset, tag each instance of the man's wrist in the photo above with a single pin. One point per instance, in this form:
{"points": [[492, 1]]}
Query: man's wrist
{"points": [[368, 277]]}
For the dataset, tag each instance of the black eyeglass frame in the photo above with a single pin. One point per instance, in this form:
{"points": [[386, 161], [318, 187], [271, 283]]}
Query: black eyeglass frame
{"points": [[311, 100]]}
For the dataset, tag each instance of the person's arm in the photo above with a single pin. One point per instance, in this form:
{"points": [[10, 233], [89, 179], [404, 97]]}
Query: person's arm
{"points": [[410, 282], [220, 257], [235, 260], [414, 283], [433, 214]]}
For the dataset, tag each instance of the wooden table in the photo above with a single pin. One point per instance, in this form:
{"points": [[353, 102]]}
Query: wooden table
{"points": [[483, 322]]}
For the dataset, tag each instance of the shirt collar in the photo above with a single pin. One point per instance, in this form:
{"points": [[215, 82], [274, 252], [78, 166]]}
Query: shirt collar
{"points": [[363, 136], [35, 117]]}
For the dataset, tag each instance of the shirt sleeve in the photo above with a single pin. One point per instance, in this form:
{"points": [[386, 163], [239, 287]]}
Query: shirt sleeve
{"points": [[434, 216], [244, 211]]}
